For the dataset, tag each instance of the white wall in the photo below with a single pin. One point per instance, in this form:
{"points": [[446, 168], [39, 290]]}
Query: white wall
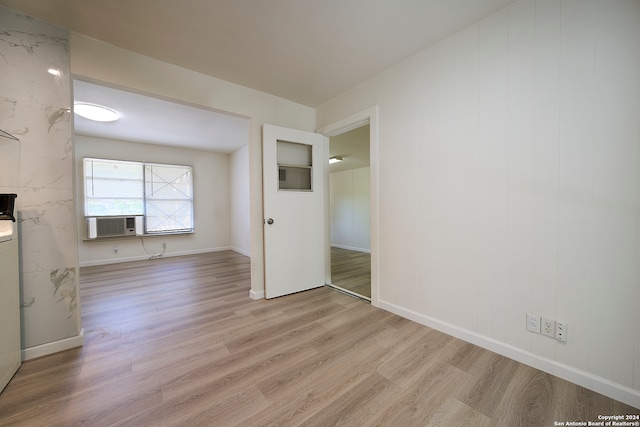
{"points": [[211, 201], [349, 200], [33, 107], [509, 183], [93, 59], [240, 207]]}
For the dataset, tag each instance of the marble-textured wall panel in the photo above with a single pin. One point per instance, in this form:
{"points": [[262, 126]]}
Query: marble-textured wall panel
{"points": [[43, 130], [41, 158], [46, 229], [34, 106], [50, 295], [9, 170], [44, 172], [9, 149], [29, 48]]}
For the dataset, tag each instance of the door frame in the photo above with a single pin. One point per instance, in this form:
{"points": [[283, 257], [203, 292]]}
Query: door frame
{"points": [[368, 116]]}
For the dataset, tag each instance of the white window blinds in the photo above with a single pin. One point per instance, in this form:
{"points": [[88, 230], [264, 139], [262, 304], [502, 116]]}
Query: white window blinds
{"points": [[113, 188], [162, 193]]}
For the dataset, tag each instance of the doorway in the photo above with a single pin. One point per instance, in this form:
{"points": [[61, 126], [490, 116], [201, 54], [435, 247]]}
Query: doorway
{"points": [[349, 212]]}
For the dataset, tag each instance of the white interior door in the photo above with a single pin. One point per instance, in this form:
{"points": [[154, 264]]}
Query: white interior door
{"points": [[293, 167]]}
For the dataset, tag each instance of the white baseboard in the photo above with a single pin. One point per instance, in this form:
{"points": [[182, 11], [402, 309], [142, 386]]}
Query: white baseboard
{"points": [[256, 294], [577, 376], [241, 252], [351, 248], [53, 347], [143, 257]]}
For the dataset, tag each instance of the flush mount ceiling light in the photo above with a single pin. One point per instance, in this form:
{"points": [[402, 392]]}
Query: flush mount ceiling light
{"points": [[95, 112], [333, 160]]}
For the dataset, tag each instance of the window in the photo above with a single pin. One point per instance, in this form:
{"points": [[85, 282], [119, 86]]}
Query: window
{"points": [[294, 166], [113, 188], [163, 194], [169, 198]]}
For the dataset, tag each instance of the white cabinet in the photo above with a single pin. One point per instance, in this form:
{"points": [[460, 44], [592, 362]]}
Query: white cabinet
{"points": [[10, 357]]}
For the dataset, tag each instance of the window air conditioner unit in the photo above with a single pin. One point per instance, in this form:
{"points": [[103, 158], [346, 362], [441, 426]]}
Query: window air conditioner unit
{"points": [[114, 226]]}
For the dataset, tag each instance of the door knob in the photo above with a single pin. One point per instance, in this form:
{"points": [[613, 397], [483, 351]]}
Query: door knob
{"points": [[270, 221]]}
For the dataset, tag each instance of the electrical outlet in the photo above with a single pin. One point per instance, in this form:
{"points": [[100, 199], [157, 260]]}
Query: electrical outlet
{"points": [[115, 249], [533, 323], [164, 246], [548, 327], [561, 331]]}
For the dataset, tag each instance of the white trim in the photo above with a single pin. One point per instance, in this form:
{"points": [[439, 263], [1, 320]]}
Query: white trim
{"points": [[345, 124], [53, 347], [241, 251], [165, 255], [351, 248], [348, 123], [256, 294], [577, 376]]}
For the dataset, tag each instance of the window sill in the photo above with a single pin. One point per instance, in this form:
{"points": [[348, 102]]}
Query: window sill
{"points": [[103, 239]]}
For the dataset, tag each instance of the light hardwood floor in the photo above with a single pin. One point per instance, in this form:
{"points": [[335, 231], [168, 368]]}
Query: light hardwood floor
{"points": [[178, 342], [351, 270]]}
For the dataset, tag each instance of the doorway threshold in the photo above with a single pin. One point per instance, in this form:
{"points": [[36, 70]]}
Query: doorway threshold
{"points": [[348, 292]]}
